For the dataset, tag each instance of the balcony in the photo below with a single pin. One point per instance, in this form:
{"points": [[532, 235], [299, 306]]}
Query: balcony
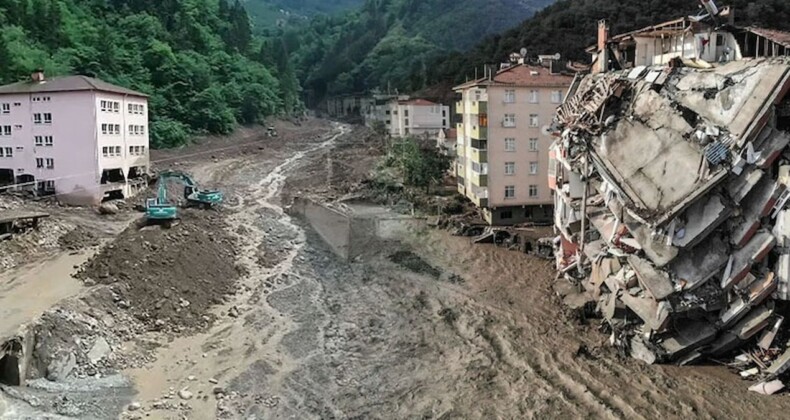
{"points": [[459, 107], [479, 179], [478, 155], [480, 133], [479, 197], [479, 107]]}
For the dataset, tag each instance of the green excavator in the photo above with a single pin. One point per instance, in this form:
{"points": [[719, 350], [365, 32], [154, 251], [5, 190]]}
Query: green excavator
{"points": [[161, 210]]}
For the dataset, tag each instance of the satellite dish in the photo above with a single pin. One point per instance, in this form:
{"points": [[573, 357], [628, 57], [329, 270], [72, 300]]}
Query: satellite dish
{"points": [[523, 52], [557, 56], [546, 130]]}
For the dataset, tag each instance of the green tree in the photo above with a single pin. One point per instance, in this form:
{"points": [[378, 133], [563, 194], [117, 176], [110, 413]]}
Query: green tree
{"points": [[421, 167]]}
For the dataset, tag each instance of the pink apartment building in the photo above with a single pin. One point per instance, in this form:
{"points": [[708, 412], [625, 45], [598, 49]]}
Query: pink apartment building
{"points": [[78, 137]]}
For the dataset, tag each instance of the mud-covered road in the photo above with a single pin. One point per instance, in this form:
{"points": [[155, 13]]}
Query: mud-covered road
{"points": [[430, 326]]}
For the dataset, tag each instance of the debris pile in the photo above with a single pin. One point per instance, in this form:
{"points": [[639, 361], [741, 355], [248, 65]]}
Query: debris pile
{"points": [[168, 279], [671, 185]]}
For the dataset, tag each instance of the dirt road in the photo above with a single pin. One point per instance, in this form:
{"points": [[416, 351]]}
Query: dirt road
{"points": [[430, 326]]}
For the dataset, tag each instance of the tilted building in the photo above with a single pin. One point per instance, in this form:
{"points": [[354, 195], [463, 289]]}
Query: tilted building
{"points": [[403, 116], [671, 179]]}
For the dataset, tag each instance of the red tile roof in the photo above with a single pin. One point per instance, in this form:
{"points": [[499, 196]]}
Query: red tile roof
{"points": [[418, 102], [67, 84], [452, 133], [522, 75]]}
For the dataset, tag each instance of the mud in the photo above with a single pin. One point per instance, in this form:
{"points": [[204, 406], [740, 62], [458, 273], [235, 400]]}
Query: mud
{"points": [[169, 278], [303, 334]]}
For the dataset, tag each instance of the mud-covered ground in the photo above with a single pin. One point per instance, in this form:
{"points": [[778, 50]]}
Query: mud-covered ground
{"points": [[430, 326]]}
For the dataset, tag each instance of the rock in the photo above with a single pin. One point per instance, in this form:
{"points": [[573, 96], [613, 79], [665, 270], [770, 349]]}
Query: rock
{"points": [[213, 381], [134, 406], [60, 368], [218, 390], [184, 394], [108, 208], [233, 312], [191, 378], [99, 351]]}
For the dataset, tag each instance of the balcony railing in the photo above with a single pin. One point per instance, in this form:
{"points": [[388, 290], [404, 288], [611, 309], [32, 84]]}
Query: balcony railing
{"points": [[479, 180], [459, 107], [479, 133], [479, 107], [479, 156]]}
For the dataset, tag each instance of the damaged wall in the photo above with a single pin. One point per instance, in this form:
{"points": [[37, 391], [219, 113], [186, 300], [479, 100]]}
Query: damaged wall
{"points": [[683, 241]]}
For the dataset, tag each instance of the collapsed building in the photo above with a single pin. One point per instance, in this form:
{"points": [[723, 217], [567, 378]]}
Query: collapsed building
{"points": [[671, 173]]}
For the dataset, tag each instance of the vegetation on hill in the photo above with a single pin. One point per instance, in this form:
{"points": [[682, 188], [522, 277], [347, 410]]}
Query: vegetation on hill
{"points": [[569, 26], [267, 14], [392, 43], [197, 59]]}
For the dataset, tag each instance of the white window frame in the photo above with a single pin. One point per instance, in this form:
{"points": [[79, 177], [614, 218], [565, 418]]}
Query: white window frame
{"points": [[39, 140], [510, 192], [510, 144], [37, 119], [509, 121], [533, 191], [50, 163], [116, 107], [534, 144], [48, 141], [118, 151], [105, 128], [534, 167], [534, 96], [510, 168], [6, 108], [47, 120], [39, 163], [510, 96], [556, 96], [6, 130], [534, 120]]}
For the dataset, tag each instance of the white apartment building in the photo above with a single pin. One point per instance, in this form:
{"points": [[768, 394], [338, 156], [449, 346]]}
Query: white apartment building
{"points": [[78, 137], [410, 117]]}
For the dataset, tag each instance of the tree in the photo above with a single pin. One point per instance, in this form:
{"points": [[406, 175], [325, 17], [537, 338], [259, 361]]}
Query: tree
{"points": [[420, 166]]}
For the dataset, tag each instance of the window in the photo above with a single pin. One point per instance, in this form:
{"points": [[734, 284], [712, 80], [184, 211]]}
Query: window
{"points": [[6, 108], [533, 96], [132, 109], [505, 215], [37, 119], [533, 168], [6, 130], [131, 128], [406, 113], [39, 163], [510, 120], [116, 107], [533, 120], [105, 151], [510, 145], [7, 152], [478, 95], [510, 96], [104, 129], [39, 140], [132, 150], [48, 141], [141, 109], [533, 191], [510, 168], [47, 118], [510, 191], [142, 130], [17, 103], [50, 163], [556, 97], [388, 122], [117, 150], [533, 145], [388, 112], [117, 129], [103, 106], [407, 122]]}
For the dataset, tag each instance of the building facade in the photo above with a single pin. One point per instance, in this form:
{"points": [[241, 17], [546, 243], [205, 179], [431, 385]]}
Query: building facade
{"points": [[80, 138], [405, 117], [503, 141]]}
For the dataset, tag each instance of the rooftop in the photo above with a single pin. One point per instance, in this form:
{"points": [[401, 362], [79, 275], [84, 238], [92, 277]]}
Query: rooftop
{"points": [[418, 102], [67, 84], [522, 75]]}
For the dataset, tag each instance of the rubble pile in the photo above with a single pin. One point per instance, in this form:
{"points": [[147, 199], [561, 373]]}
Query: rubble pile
{"points": [[169, 279], [671, 189]]}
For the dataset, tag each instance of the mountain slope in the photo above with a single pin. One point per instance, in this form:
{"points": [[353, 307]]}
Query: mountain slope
{"points": [[267, 14], [192, 56], [569, 26], [391, 43]]}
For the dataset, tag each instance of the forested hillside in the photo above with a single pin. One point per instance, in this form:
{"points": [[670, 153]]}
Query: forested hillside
{"points": [[267, 14], [197, 59], [392, 43], [569, 26]]}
